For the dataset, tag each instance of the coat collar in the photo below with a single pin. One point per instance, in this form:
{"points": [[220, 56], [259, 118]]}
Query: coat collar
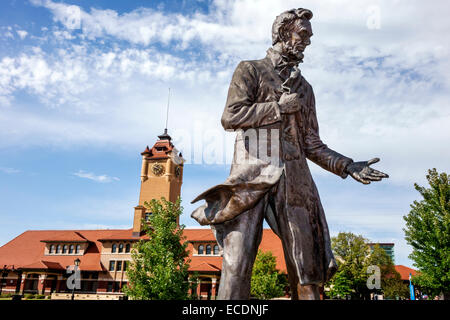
{"points": [[278, 60]]}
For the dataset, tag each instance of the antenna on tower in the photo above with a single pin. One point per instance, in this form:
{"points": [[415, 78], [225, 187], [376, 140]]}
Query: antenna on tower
{"points": [[167, 112], [165, 135]]}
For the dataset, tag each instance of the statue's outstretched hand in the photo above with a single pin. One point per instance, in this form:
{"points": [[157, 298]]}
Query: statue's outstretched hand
{"points": [[362, 172]]}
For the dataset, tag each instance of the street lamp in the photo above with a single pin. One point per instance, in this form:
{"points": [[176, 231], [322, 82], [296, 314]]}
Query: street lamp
{"points": [[77, 263]]}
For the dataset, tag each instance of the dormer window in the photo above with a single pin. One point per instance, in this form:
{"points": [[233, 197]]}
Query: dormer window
{"points": [[64, 249], [208, 249]]}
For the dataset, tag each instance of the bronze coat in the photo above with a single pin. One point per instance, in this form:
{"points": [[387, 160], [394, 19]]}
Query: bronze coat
{"points": [[252, 103]]}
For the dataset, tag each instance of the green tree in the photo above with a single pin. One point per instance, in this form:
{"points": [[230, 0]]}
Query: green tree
{"points": [[340, 286], [354, 256], [428, 232], [159, 266], [351, 253], [266, 282]]}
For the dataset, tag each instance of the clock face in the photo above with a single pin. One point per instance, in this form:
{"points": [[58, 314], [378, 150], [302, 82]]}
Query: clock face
{"points": [[177, 171], [157, 169]]}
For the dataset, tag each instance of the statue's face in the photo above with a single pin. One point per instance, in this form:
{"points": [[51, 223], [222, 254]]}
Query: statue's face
{"points": [[297, 39]]}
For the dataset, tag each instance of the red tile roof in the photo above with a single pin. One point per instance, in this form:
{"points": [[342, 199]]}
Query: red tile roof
{"points": [[69, 236], [405, 271], [117, 235], [199, 234], [160, 150], [46, 265], [205, 267]]}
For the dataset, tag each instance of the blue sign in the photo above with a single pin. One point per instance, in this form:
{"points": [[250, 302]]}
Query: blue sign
{"points": [[412, 296]]}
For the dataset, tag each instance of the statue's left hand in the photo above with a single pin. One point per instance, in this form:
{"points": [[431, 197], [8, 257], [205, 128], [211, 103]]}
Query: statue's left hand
{"points": [[362, 172]]}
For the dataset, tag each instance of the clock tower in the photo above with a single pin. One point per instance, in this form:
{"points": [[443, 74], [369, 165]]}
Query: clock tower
{"points": [[161, 176]]}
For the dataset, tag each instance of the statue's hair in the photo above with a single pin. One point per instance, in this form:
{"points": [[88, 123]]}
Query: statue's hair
{"points": [[287, 18]]}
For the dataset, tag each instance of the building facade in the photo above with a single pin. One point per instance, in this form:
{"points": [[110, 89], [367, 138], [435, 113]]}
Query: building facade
{"points": [[387, 247]]}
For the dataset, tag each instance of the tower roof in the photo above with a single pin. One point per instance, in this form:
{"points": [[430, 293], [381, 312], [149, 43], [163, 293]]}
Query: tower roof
{"points": [[161, 149]]}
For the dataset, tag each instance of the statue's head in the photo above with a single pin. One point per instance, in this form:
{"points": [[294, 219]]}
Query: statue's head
{"points": [[291, 32]]}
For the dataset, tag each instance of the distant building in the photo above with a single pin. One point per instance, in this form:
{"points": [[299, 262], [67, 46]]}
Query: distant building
{"points": [[387, 247], [36, 261]]}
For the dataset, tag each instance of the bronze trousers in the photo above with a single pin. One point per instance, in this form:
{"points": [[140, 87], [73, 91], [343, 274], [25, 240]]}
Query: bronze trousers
{"points": [[240, 239]]}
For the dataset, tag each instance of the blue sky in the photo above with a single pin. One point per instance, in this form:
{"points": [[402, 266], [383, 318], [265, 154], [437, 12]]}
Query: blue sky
{"points": [[83, 89]]}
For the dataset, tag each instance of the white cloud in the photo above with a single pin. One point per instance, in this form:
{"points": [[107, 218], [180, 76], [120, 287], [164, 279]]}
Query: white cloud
{"points": [[9, 170], [97, 178], [378, 92], [22, 34]]}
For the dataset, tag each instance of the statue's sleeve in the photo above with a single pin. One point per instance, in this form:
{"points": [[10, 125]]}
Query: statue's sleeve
{"points": [[315, 149], [241, 110]]}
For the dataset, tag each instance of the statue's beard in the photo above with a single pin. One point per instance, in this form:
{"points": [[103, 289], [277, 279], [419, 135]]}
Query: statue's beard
{"points": [[293, 52]]}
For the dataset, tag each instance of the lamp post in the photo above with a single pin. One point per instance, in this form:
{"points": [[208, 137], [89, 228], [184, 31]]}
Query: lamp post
{"points": [[77, 263]]}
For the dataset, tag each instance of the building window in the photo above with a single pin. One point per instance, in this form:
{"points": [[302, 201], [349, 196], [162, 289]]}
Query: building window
{"points": [[112, 264], [77, 248], [147, 216], [127, 248], [114, 248], [58, 248], [64, 249], [208, 249], [71, 248], [121, 248], [52, 248], [119, 265], [216, 250], [200, 249], [125, 265], [110, 287]]}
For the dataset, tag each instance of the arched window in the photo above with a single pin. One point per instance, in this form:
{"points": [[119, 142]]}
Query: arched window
{"points": [[52, 248], [121, 248], [64, 249], [200, 249], [58, 248], [216, 250], [208, 249], [127, 248], [71, 248], [114, 248], [78, 248]]}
